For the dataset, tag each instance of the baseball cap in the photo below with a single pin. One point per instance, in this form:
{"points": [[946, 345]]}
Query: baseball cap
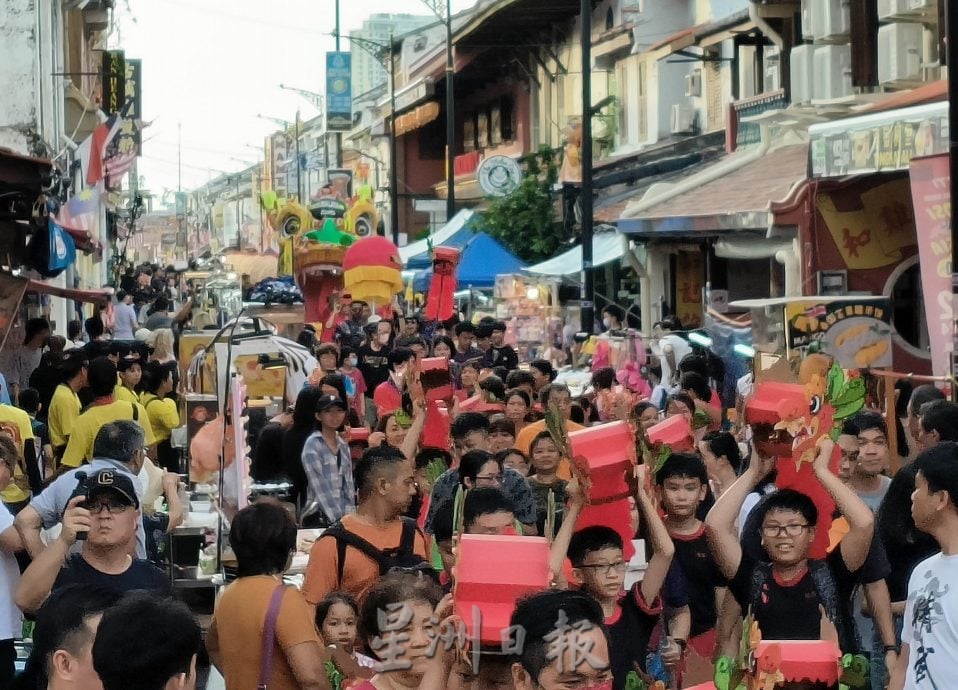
{"points": [[327, 401], [114, 480]]}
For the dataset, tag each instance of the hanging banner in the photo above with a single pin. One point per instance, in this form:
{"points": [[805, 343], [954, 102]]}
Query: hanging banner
{"points": [[113, 81], [339, 96], [931, 196], [855, 331]]}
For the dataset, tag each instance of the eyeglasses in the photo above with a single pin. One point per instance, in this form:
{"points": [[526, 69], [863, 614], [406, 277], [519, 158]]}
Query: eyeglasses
{"points": [[115, 507], [491, 478], [792, 530], [608, 568]]}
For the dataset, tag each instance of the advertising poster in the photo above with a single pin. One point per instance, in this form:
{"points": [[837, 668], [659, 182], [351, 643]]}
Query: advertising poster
{"points": [[931, 196], [856, 332], [339, 97]]}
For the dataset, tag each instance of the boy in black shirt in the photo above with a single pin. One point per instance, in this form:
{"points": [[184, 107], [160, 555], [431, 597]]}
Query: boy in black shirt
{"points": [[787, 595], [630, 617], [682, 483]]}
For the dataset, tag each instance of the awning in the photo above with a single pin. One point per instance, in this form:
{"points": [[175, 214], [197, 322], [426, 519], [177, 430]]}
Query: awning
{"points": [[23, 172], [737, 200], [458, 222], [878, 142], [94, 296], [422, 115], [606, 247]]}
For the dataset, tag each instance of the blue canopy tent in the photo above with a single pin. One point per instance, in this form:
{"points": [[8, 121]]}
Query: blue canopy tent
{"points": [[482, 259]]}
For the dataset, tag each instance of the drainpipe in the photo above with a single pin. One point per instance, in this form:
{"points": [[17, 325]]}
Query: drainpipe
{"points": [[788, 258], [764, 26], [657, 196]]}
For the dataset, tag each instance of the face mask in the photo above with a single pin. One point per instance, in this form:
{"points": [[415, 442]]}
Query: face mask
{"points": [[383, 338], [353, 361], [607, 322]]}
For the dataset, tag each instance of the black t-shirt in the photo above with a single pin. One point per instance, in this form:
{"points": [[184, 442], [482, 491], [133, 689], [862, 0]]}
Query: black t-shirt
{"points": [[702, 574], [141, 575], [504, 356], [374, 367], [630, 632], [790, 611]]}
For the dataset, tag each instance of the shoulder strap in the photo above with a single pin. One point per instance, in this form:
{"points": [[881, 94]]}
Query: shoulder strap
{"points": [[827, 590], [407, 543], [346, 538], [136, 412], [269, 635], [760, 575]]}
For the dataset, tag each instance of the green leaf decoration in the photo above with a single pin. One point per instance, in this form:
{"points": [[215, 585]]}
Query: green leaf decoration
{"points": [[852, 391], [848, 409], [836, 381], [336, 677], [665, 452], [633, 682], [555, 424], [855, 671], [700, 420], [457, 513], [835, 432], [550, 525], [435, 469]]}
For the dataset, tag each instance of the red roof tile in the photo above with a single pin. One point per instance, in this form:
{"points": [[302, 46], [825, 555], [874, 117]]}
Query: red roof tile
{"points": [[753, 187]]}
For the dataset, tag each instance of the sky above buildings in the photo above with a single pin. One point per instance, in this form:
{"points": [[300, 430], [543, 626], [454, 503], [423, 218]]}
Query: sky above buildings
{"points": [[212, 66]]}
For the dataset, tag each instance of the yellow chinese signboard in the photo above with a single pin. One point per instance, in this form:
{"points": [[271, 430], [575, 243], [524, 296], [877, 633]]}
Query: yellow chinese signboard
{"points": [[856, 332]]}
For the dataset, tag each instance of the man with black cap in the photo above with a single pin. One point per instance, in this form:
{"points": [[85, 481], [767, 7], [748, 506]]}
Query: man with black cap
{"points": [[108, 514], [105, 408], [328, 464]]}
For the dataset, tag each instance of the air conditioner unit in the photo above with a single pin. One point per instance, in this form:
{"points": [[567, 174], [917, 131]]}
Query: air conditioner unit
{"points": [[833, 72], [683, 118], [891, 10], [832, 20], [808, 20], [773, 69], [899, 52], [802, 73], [693, 83]]}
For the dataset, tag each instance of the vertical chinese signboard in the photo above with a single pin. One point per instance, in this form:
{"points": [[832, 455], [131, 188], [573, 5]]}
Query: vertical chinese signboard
{"points": [[856, 332], [129, 139], [339, 98], [114, 81], [931, 196]]}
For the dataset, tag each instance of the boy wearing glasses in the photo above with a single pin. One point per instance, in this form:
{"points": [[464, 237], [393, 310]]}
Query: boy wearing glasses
{"points": [[630, 617], [108, 514], [682, 483], [787, 594]]}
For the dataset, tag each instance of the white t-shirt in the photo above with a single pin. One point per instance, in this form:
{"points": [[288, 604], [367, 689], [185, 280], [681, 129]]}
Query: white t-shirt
{"points": [[11, 620], [931, 624]]}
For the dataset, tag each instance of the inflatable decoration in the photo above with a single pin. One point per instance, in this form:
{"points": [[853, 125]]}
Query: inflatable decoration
{"points": [[789, 420], [372, 270], [441, 304]]}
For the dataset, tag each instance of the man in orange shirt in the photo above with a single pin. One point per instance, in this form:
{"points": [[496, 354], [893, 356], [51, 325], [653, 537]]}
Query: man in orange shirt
{"points": [[345, 556], [553, 394]]}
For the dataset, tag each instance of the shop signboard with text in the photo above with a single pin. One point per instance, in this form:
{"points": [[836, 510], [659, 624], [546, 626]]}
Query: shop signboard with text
{"points": [[856, 332], [931, 196]]}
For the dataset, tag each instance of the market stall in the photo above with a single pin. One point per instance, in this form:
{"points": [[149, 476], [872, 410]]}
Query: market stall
{"points": [[529, 306]]}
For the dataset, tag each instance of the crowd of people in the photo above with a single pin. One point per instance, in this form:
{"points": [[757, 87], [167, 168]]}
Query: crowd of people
{"points": [[395, 475]]}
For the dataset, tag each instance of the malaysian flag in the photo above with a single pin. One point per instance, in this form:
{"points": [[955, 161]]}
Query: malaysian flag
{"points": [[82, 212], [116, 166]]}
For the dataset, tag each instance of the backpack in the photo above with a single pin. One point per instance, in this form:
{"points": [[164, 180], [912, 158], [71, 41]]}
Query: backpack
{"points": [[399, 558], [20, 479], [828, 596]]}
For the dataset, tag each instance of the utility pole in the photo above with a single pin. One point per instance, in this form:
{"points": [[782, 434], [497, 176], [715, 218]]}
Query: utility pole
{"points": [[451, 119], [393, 157], [179, 156], [951, 19], [339, 135], [299, 161], [585, 198]]}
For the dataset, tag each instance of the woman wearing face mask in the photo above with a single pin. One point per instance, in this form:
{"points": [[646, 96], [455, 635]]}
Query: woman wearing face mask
{"points": [[388, 395], [612, 318], [348, 363]]}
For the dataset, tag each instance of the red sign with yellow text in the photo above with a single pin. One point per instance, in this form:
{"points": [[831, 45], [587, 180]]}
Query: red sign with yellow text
{"points": [[931, 196]]}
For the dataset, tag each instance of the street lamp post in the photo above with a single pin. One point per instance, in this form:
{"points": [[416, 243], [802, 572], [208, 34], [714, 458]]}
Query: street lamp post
{"points": [[382, 57], [585, 198], [445, 14]]}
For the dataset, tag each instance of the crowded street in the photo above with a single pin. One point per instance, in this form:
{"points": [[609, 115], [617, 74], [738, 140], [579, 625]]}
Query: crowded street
{"points": [[478, 345]]}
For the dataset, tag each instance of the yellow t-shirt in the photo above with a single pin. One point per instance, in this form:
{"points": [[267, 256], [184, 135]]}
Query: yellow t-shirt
{"points": [[16, 417], [80, 446], [64, 410], [163, 413], [121, 392]]}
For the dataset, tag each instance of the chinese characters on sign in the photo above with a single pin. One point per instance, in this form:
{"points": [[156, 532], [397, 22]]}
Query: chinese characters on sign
{"points": [[931, 195], [339, 105], [114, 81], [129, 140]]}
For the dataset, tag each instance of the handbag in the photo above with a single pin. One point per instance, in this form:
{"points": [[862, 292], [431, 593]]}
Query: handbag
{"points": [[269, 635]]}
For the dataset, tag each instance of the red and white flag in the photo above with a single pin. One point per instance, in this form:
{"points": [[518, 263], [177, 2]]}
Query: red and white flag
{"points": [[116, 166], [93, 149]]}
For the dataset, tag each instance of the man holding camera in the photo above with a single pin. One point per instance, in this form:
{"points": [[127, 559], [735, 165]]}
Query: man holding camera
{"points": [[104, 515], [119, 447]]}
